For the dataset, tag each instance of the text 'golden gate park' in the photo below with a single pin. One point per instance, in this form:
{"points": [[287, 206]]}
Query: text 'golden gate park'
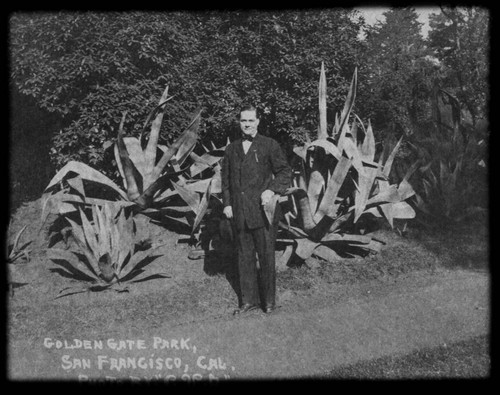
{"points": [[158, 343]]}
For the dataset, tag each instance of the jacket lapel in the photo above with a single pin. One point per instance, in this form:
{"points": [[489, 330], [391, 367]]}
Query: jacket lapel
{"points": [[256, 148], [239, 150]]}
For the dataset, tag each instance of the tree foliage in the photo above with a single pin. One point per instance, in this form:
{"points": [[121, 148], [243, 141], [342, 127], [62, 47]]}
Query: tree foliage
{"points": [[90, 67], [459, 37], [400, 74]]}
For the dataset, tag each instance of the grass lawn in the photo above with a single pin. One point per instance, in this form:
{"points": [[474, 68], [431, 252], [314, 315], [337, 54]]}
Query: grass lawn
{"points": [[465, 359]]}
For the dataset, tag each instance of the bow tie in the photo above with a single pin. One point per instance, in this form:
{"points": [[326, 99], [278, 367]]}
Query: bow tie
{"points": [[247, 137]]}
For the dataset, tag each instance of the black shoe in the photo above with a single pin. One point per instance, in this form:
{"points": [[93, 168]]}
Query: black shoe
{"points": [[269, 308], [245, 308]]}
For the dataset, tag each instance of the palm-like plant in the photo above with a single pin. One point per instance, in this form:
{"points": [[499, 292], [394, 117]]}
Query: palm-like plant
{"points": [[337, 184], [450, 170], [17, 257], [110, 257]]}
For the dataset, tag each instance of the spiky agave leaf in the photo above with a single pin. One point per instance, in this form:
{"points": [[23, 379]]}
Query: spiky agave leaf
{"points": [[133, 178], [205, 161], [199, 186], [314, 188], [334, 241], [136, 155], [184, 145], [216, 186], [90, 235], [325, 253], [125, 227], [150, 152], [349, 103], [86, 173], [95, 240], [79, 237], [305, 247], [338, 242], [353, 153], [270, 208], [328, 146], [14, 252], [386, 194], [56, 203], [100, 239], [135, 266], [202, 208], [367, 148], [154, 113], [102, 228], [390, 159], [189, 196], [189, 139], [315, 176], [341, 220], [296, 232], [304, 209], [63, 201], [76, 266], [284, 258], [301, 177], [322, 131], [77, 184], [405, 190], [366, 182], [354, 132], [162, 183], [328, 205], [17, 238]]}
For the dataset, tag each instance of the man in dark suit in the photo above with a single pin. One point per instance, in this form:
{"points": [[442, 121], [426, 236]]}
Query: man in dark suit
{"points": [[254, 168]]}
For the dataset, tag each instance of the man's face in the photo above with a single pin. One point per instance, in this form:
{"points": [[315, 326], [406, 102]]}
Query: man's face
{"points": [[249, 122]]}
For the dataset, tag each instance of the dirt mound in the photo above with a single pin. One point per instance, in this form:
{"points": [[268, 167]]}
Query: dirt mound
{"points": [[40, 280]]}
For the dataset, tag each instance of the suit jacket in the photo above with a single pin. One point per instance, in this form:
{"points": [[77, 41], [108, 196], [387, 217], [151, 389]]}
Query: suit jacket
{"points": [[246, 176]]}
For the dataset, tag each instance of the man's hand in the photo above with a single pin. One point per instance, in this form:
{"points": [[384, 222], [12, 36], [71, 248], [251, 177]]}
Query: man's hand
{"points": [[266, 196], [228, 211]]}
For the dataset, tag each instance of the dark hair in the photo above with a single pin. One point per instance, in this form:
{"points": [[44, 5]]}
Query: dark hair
{"points": [[249, 107]]}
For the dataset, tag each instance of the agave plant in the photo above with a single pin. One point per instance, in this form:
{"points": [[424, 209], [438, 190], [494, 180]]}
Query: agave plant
{"points": [[17, 252], [106, 255], [145, 171], [144, 175], [337, 185]]}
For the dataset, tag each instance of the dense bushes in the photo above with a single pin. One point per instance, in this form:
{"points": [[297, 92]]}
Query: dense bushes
{"points": [[90, 67]]}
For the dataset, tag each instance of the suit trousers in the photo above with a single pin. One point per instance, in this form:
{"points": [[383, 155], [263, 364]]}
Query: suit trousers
{"points": [[257, 281]]}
